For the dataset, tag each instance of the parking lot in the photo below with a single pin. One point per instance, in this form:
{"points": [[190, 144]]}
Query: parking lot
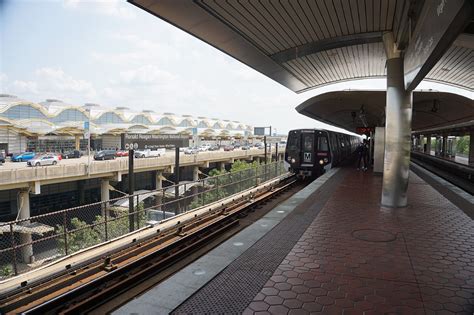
{"points": [[84, 160]]}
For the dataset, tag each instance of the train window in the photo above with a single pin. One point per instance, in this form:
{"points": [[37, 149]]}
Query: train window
{"points": [[341, 140], [308, 142], [323, 144], [293, 142]]}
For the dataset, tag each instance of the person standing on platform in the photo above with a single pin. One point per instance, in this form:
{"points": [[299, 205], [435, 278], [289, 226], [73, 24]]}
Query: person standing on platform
{"points": [[362, 156]]}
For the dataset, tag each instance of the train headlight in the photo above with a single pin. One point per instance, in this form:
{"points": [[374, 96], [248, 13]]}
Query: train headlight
{"points": [[325, 160], [293, 160], [321, 162]]}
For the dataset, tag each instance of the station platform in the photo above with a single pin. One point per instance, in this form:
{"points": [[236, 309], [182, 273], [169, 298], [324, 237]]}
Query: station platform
{"points": [[332, 249]]}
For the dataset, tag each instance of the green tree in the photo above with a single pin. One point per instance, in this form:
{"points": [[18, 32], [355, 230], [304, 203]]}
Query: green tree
{"points": [[462, 145], [6, 271], [83, 235], [222, 183]]}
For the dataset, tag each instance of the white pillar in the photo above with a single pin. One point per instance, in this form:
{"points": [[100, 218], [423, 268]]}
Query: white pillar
{"points": [[158, 180], [158, 186], [379, 149], [428, 144], [104, 194], [24, 213], [194, 189], [195, 173], [398, 116]]}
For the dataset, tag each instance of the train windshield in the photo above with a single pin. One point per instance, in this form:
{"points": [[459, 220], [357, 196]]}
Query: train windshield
{"points": [[293, 143], [308, 142], [323, 144]]}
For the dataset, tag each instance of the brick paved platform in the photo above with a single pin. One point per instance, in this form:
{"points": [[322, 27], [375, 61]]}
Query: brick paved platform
{"points": [[356, 258]]}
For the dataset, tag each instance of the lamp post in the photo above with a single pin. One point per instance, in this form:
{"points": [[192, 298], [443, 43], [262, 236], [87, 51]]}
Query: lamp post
{"points": [[87, 133]]}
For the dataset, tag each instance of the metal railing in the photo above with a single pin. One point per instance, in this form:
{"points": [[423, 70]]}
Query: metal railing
{"points": [[32, 242]]}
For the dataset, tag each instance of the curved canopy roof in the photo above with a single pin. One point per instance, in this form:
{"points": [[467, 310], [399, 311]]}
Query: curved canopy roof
{"points": [[352, 109], [306, 44]]}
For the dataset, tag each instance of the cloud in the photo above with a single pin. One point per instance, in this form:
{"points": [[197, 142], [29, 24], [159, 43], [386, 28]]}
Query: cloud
{"points": [[51, 82], [114, 8], [25, 86], [146, 75], [138, 51], [58, 80]]}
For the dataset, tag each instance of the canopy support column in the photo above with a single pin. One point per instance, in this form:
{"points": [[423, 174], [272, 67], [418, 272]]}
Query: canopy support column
{"points": [[25, 238], [398, 115]]}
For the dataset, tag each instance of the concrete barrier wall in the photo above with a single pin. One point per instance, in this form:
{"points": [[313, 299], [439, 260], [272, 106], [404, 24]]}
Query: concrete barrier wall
{"points": [[21, 177]]}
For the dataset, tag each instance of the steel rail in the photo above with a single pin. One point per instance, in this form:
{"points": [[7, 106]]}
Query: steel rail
{"points": [[99, 280]]}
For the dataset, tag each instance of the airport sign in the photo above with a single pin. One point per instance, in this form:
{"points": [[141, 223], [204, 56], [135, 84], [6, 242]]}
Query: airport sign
{"points": [[142, 141]]}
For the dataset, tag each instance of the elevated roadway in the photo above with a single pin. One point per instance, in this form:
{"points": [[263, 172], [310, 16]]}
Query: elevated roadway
{"points": [[17, 175]]}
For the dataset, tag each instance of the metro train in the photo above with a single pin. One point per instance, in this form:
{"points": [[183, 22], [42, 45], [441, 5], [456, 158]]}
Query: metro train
{"points": [[310, 152]]}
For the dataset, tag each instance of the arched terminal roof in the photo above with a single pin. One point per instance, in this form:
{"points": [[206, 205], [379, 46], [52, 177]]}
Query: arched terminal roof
{"points": [[352, 109], [307, 44]]}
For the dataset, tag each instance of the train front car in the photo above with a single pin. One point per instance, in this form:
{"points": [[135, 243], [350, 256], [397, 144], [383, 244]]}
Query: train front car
{"points": [[308, 152]]}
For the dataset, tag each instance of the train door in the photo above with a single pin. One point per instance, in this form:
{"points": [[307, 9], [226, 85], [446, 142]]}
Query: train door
{"points": [[335, 148], [307, 152], [323, 150]]}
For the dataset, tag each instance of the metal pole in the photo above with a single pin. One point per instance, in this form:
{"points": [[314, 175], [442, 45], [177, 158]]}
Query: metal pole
{"points": [[185, 200], [106, 229], [265, 146], [131, 189], [88, 141], [15, 263], [176, 179], [202, 192], [276, 159], [217, 188], [65, 232], [240, 181], [137, 212]]}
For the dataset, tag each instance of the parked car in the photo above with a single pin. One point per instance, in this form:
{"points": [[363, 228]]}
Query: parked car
{"points": [[121, 153], [149, 153], [2, 158], [214, 148], [43, 160], [105, 155], [229, 148], [75, 154], [245, 147], [237, 145], [22, 157], [191, 150]]}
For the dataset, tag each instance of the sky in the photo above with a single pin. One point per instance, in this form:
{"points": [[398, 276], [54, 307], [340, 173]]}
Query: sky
{"points": [[112, 53]]}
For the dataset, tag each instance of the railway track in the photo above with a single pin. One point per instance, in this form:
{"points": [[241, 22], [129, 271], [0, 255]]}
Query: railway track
{"points": [[459, 175], [98, 284]]}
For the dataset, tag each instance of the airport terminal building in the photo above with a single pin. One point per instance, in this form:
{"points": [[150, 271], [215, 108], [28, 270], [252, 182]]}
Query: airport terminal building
{"points": [[54, 126]]}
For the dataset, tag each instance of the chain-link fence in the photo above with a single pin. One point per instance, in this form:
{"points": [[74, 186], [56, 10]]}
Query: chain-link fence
{"points": [[30, 243]]}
